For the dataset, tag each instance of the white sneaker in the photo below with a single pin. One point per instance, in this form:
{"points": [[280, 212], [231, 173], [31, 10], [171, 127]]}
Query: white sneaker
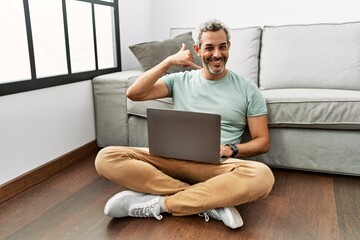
{"points": [[229, 215], [133, 204]]}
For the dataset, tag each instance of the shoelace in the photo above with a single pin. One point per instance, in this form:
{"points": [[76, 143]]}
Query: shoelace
{"points": [[209, 213], [146, 210]]}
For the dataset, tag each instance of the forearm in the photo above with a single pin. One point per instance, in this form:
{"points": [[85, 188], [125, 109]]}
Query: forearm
{"points": [[252, 148], [141, 88], [146, 87], [260, 138]]}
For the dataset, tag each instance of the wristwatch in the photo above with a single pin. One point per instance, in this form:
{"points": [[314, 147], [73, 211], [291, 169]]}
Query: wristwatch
{"points": [[234, 148]]}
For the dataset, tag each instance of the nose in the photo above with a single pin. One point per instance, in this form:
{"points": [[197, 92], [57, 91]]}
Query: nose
{"points": [[217, 52]]}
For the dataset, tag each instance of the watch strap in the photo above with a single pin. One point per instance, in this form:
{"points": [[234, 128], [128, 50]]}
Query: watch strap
{"points": [[234, 148]]}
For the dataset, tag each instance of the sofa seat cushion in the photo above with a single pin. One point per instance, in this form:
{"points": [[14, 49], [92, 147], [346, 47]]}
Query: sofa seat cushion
{"points": [[139, 108], [313, 108]]}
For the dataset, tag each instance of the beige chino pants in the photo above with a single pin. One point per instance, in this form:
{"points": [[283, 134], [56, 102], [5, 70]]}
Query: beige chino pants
{"points": [[188, 187]]}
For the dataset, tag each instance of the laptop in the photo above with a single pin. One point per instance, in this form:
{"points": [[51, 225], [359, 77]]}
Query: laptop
{"points": [[184, 135]]}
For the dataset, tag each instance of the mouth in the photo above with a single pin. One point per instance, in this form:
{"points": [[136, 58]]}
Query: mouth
{"points": [[216, 61], [216, 65]]}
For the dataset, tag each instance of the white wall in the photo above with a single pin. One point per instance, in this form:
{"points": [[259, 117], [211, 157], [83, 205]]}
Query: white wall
{"points": [[135, 27], [164, 14], [39, 126]]}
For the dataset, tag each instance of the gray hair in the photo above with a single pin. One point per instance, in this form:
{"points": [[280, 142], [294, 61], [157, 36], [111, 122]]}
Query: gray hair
{"points": [[212, 25]]}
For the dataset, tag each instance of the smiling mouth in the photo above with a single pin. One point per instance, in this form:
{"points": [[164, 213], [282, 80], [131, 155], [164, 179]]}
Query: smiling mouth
{"points": [[215, 65], [216, 60]]}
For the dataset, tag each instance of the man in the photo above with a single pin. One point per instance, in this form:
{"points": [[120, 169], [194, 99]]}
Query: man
{"points": [[183, 187]]}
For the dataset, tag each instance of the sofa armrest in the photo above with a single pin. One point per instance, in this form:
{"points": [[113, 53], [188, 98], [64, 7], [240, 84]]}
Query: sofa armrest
{"points": [[110, 107]]}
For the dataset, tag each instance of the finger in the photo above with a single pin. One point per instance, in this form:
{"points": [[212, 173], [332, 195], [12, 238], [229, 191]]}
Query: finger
{"points": [[183, 47], [191, 64]]}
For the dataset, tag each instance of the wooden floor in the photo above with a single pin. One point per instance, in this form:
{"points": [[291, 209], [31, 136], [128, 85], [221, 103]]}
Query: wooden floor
{"points": [[70, 205]]}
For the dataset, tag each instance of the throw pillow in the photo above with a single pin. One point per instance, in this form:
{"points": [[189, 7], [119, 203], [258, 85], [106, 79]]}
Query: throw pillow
{"points": [[150, 54]]}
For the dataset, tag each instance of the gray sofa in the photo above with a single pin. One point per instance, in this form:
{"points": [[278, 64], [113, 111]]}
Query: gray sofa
{"points": [[309, 76]]}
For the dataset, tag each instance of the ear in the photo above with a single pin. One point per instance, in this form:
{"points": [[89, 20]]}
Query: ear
{"points": [[196, 49]]}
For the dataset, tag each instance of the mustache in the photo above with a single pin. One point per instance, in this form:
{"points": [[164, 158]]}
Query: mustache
{"points": [[217, 58]]}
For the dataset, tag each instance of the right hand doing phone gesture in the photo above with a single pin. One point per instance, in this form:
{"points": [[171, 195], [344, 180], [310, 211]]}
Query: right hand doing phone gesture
{"points": [[183, 58]]}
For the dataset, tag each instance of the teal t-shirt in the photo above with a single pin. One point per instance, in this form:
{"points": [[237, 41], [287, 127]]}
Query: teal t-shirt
{"points": [[233, 97]]}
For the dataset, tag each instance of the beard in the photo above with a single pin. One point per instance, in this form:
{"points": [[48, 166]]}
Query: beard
{"points": [[217, 69]]}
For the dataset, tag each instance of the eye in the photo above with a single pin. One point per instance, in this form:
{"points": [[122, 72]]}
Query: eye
{"points": [[223, 47]]}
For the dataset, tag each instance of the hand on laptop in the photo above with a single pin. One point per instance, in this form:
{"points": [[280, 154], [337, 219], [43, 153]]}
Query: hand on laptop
{"points": [[225, 151]]}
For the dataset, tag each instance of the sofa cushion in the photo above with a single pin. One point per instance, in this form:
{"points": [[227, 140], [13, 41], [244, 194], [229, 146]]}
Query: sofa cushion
{"points": [[150, 54], [311, 56], [139, 108], [313, 108], [244, 50]]}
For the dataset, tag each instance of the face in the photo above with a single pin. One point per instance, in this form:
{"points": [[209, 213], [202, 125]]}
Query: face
{"points": [[214, 52]]}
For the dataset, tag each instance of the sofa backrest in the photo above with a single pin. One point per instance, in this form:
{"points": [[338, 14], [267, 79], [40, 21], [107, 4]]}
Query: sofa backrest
{"points": [[244, 50], [311, 56]]}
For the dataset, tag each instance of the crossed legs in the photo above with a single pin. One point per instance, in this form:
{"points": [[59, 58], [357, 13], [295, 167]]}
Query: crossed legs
{"points": [[188, 187]]}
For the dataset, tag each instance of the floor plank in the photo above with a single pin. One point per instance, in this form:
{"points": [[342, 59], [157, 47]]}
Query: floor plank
{"points": [[347, 192], [69, 205]]}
